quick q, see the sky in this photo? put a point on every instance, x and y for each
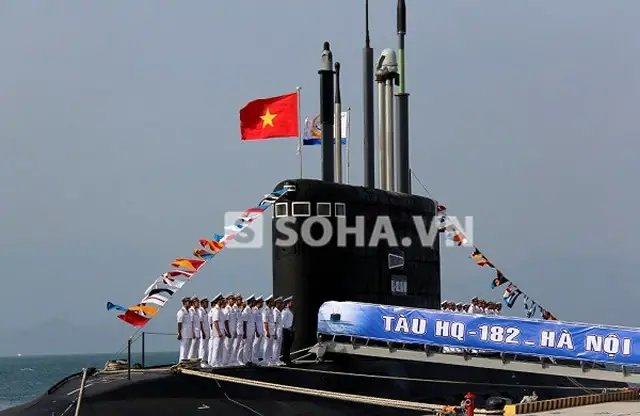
(120, 147)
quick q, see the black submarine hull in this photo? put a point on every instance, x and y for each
(314, 275)
(161, 391)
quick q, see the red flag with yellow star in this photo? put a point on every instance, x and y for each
(267, 118)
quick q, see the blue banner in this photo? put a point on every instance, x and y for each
(607, 344)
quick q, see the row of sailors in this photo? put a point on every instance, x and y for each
(477, 306)
(235, 331)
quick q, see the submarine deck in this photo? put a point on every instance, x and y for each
(164, 391)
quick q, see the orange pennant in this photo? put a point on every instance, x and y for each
(145, 309)
(191, 264)
(212, 245)
(203, 254)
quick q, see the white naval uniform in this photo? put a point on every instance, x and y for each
(231, 316)
(186, 319)
(217, 339)
(287, 318)
(238, 341)
(257, 342)
(203, 352)
(224, 313)
(267, 344)
(197, 334)
(247, 342)
(211, 331)
(448, 350)
(277, 343)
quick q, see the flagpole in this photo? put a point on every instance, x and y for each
(299, 131)
(348, 141)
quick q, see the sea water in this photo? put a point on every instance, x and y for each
(26, 377)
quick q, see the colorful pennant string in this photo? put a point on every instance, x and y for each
(512, 292)
(165, 286)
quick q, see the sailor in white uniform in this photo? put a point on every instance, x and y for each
(185, 328)
(277, 324)
(259, 331)
(214, 302)
(194, 310)
(269, 332)
(474, 308)
(459, 309)
(230, 329)
(248, 330)
(444, 307)
(217, 331)
(288, 329)
(498, 309)
(483, 307)
(203, 353)
(490, 309)
(237, 341)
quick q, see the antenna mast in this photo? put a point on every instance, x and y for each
(367, 105)
(404, 172)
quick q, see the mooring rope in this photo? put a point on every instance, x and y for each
(317, 393)
(578, 386)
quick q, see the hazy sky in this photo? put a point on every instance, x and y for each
(120, 144)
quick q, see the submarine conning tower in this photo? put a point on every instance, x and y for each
(345, 270)
(346, 267)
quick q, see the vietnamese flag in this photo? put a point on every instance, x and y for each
(266, 118)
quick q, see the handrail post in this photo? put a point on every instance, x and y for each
(142, 349)
(84, 378)
(129, 359)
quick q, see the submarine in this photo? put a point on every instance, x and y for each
(323, 381)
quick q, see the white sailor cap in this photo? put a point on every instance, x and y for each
(270, 297)
(259, 298)
(474, 298)
(228, 295)
(204, 299)
(217, 297)
(278, 299)
(288, 299)
(250, 297)
(444, 302)
(459, 304)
